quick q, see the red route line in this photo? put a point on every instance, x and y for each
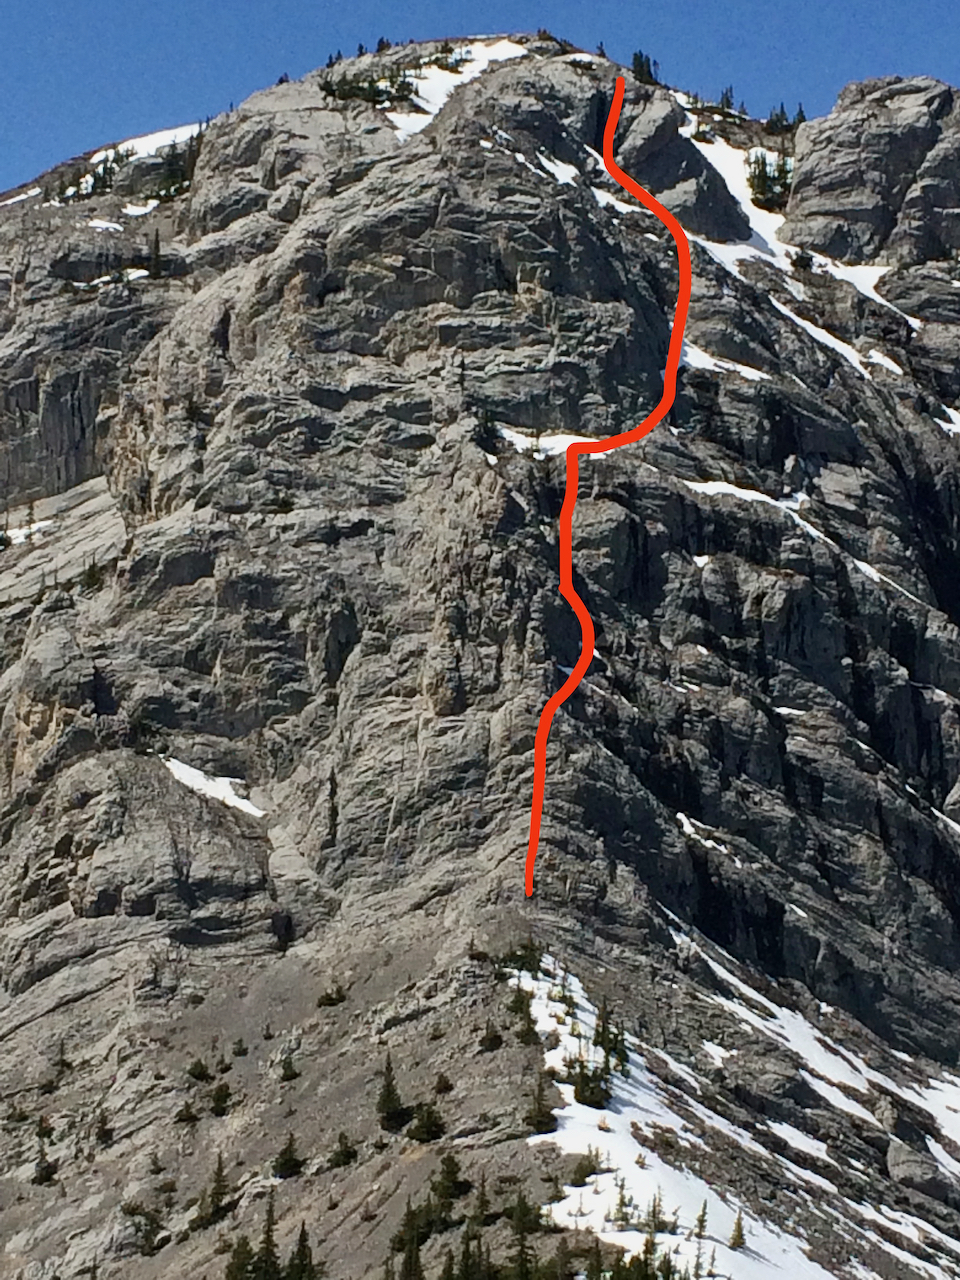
(603, 446)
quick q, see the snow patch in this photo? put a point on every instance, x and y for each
(950, 424)
(24, 195)
(545, 446)
(612, 202)
(435, 85)
(216, 788)
(149, 143)
(696, 358)
(138, 210)
(565, 174)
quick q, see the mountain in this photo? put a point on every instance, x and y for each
(285, 400)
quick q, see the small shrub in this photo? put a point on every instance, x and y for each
(738, 1239)
(443, 1084)
(92, 577)
(345, 1153)
(104, 1129)
(220, 1099)
(491, 1040)
(586, 1167)
(45, 1170)
(240, 1050)
(427, 1124)
(287, 1070)
(186, 1114)
(198, 1070)
(331, 997)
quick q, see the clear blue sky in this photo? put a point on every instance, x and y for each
(77, 75)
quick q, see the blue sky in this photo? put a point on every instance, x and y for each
(75, 76)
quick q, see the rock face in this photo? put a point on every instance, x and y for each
(878, 177)
(279, 613)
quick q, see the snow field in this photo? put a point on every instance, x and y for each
(615, 1201)
(624, 1189)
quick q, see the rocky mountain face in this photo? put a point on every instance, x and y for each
(282, 459)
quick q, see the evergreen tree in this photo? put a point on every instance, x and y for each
(240, 1265)
(427, 1125)
(155, 257)
(540, 1117)
(642, 69)
(726, 98)
(800, 117)
(344, 1154)
(393, 1114)
(449, 1271)
(219, 1189)
(301, 1265)
(411, 1268)
(481, 1208)
(701, 1228)
(266, 1264)
(524, 1220)
(594, 1269)
(601, 1034)
(287, 1164)
(737, 1237)
(360, 51)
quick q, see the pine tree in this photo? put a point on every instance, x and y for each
(393, 1114)
(642, 70)
(411, 1268)
(594, 1270)
(481, 1208)
(266, 1264)
(219, 1189)
(701, 1228)
(449, 1271)
(344, 1154)
(155, 257)
(726, 98)
(562, 1265)
(301, 1265)
(287, 1164)
(737, 1237)
(427, 1125)
(800, 117)
(240, 1266)
(523, 1219)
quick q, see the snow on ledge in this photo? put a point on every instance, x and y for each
(215, 788)
(24, 195)
(435, 85)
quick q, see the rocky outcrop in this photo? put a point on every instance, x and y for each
(876, 179)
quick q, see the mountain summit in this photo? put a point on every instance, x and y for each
(284, 400)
